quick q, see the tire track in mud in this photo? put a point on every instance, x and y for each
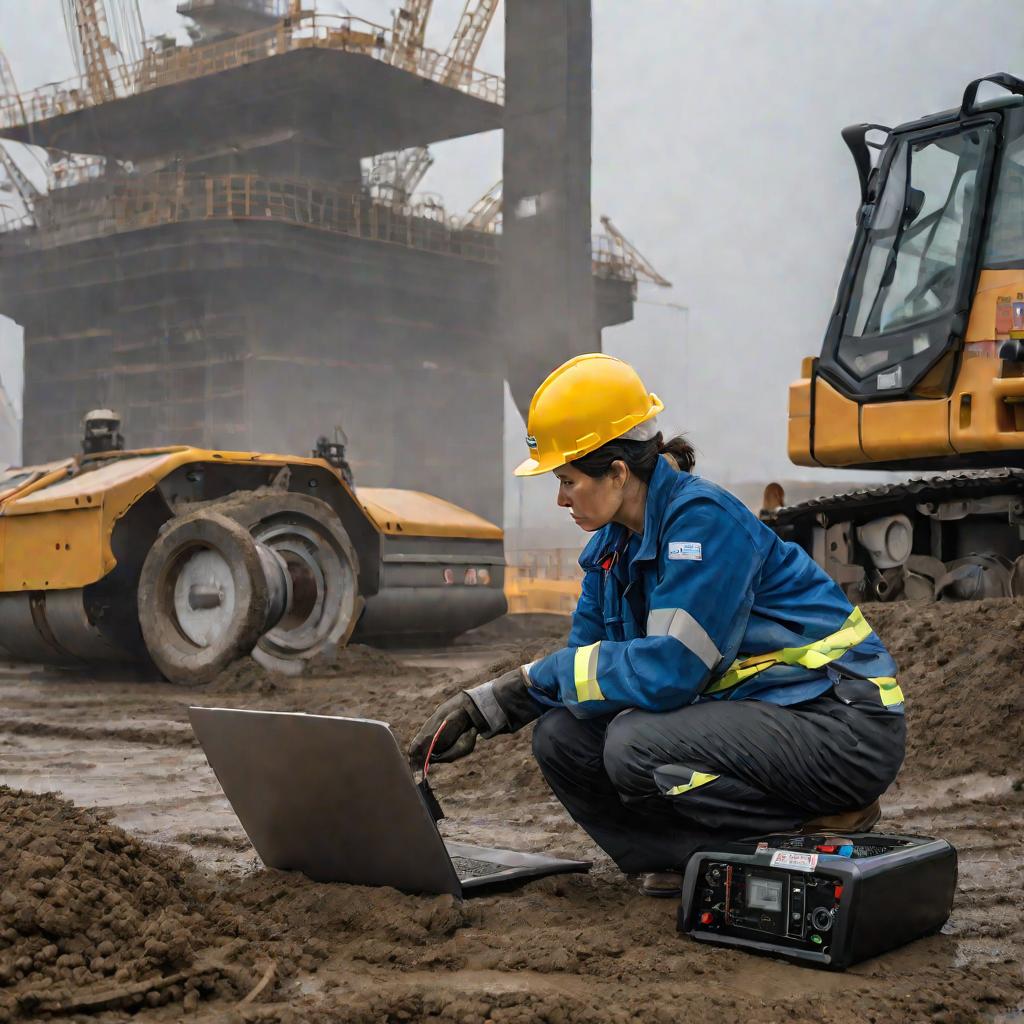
(153, 736)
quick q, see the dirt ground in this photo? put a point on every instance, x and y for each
(137, 892)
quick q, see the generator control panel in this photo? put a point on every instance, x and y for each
(822, 899)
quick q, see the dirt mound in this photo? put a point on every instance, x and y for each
(961, 670)
(245, 675)
(354, 660)
(91, 918)
(248, 676)
(530, 626)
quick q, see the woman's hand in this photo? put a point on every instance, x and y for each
(498, 706)
(462, 723)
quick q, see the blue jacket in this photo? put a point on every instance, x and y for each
(663, 616)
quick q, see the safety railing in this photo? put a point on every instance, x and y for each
(186, 63)
(610, 262)
(110, 206)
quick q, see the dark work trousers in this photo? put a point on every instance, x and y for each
(775, 767)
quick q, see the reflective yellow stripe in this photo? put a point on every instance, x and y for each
(813, 655)
(696, 779)
(888, 689)
(585, 671)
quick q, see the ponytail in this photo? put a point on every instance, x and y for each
(640, 456)
(679, 449)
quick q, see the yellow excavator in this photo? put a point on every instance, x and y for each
(922, 366)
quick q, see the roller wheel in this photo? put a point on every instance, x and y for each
(204, 598)
(324, 604)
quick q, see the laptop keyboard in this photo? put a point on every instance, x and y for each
(466, 867)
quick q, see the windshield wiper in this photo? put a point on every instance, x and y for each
(913, 201)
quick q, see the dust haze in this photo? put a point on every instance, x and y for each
(717, 152)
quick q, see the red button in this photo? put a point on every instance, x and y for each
(707, 917)
(824, 848)
(839, 892)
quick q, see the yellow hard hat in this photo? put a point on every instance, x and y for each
(585, 403)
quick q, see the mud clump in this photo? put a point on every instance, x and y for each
(961, 672)
(353, 660)
(90, 917)
(246, 675)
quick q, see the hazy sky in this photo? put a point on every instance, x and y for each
(717, 151)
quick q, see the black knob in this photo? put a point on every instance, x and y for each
(821, 919)
(1012, 351)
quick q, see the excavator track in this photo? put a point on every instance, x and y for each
(951, 536)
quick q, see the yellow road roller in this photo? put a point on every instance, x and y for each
(191, 558)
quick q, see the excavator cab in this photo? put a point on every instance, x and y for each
(922, 366)
(914, 372)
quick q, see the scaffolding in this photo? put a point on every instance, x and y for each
(313, 30)
(102, 206)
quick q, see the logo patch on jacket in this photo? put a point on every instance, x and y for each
(684, 550)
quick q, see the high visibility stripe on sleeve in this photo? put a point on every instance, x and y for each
(585, 672)
(889, 690)
(679, 623)
(696, 779)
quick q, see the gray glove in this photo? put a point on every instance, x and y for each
(462, 721)
(498, 706)
(505, 703)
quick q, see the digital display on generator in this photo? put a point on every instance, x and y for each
(764, 893)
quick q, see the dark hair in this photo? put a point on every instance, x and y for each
(640, 456)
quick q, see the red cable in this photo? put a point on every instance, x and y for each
(430, 749)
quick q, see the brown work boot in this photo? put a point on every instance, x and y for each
(863, 820)
(662, 884)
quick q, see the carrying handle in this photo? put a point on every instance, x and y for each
(1009, 82)
(855, 137)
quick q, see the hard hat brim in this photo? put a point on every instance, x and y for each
(535, 467)
(531, 467)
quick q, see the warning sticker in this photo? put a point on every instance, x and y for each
(794, 859)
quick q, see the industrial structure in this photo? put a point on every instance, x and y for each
(231, 251)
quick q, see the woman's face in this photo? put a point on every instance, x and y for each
(592, 502)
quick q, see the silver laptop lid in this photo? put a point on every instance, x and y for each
(330, 797)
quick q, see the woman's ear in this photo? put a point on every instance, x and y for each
(619, 472)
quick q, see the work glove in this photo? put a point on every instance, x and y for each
(462, 722)
(501, 705)
(505, 703)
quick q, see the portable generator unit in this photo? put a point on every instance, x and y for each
(824, 900)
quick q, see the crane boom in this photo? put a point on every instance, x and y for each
(484, 213)
(469, 37)
(402, 173)
(631, 256)
(18, 181)
(104, 45)
(25, 189)
(8, 86)
(407, 34)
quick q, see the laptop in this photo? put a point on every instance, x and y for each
(335, 799)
